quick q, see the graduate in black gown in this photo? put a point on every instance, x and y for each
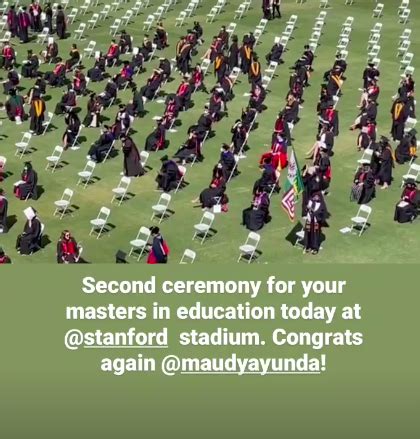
(27, 186)
(363, 189)
(156, 140)
(73, 125)
(168, 176)
(386, 163)
(132, 162)
(160, 250)
(407, 148)
(37, 115)
(29, 240)
(407, 208)
(258, 214)
(215, 193)
(67, 249)
(60, 23)
(315, 220)
(30, 65)
(4, 204)
(99, 149)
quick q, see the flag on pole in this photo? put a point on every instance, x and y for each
(293, 187)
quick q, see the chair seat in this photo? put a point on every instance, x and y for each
(408, 177)
(98, 222)
(359, 219)
(300, 234)
(159, 208)
(201, 227)
(138, 243)
(246, 248)
(61, 203)
(118, 190)
(363, 161)
(21, 145)
(53, 158)
(85, 174)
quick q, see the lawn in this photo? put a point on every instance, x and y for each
(385, 241)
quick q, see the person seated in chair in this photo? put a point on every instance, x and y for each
(11, 82)
(150, 90)
(74, 59)
(51, 51)
(72, 130)
(168, 176)
(68, 101)
(100, 148)
(30, 65)
(190, 149)
(156, 140)
(57, 77)
(67, 249)
(113, 54)
(109, 95)
(4, 204)
(125, 75)
(8, 56)
(276, 53)
(125, 44)
(96, 73)
(228, 161)
(257, 215)
(137, 61)
(29, 240)
(215, 193)
(183, 94)
(15, 107)
(27, 186)
(407, 208)
(79, 82)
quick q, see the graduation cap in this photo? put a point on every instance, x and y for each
(1, 252)
(30, 213)
(164, 158)
(120, 257)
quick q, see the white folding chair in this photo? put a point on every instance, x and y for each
(85, 6)
(377, 12)
(148, 23)
(140, 243)
(63, 204)
(247, 250)
(113, 29)
(42, 37)
(144, 157)
(80, 31)
(405, 15)
(179, 21)
(159, 12)
(324, 4)
(90, 49)
(211, 15)
(361, 219)
(54, 159)
(239, 13)
(22, 146)
(403, 48)
(366, 158)
(46, 124)
(182, 170)
(160, 209)
(234, 74)
(205, 64)
(405, 35)
(127, 17)
(188, 257)
(407, 59)
(99, 223)
(137, 8)
(86, 175)
(231, 28)
(412, 174)
(121, 190)
(71, 16)
(103, 15)
(203, 228)
(93, 21)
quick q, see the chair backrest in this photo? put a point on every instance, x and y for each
(125, 181)
(104, 211)
(3, 161)
(190, 254)
(143, 233)
(253, 239)
(164, 199)
(67, 194)
(58, 150)
(182, 170)
(26, 137)
(90, 166)
(144, 156)
(207, 218)
(364, 211)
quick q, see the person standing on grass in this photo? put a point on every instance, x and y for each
(276, 8)
(60, 23)
(160, 250)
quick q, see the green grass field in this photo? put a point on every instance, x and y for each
(385, 241)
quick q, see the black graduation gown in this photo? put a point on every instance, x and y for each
(30, 185)
(4, 204)
(61, 24)
(255, 218)
(367, 191)
(385, 169)
(168, 176)
(402, 152)
(30, 236)
(315, 220)
(209, 196)
(156, 140)
(132, 162)
(233, 59)
(312, 184)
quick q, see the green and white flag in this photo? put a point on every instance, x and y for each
(293, 187)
